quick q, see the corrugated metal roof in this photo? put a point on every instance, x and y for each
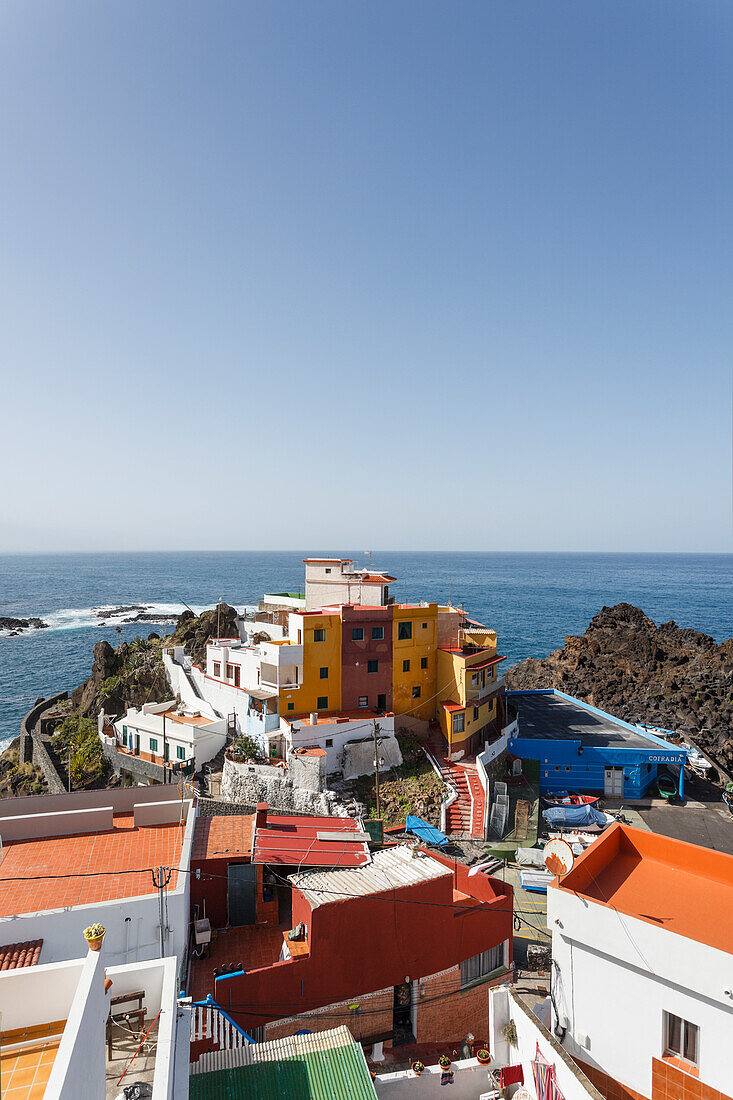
(293, 841)
(321, 1066)
(391, 868)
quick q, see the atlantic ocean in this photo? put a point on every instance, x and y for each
(531, 599)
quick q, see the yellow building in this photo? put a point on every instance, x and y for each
(320, 690)
(414, 659)
(468, 688)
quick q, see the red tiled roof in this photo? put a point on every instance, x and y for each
(59, 872)
(222, 836)
(453, 706)
(292, 841)
(15, 955)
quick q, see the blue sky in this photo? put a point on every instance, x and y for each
(411, 274)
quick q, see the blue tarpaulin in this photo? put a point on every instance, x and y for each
(576, 816)
(425, 831)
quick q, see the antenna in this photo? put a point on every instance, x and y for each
(559, 857)
(369, 555)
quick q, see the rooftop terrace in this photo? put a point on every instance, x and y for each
(57, 872)
(667, 883)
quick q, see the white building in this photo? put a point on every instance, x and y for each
(334, 581)
(348, 741)
(54, 1029)
(642, 944)
(72, 860)
(164, 733)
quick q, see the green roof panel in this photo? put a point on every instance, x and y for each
(317, 1075)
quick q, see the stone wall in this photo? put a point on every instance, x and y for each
(42, 760)
(135, 765)
(242, 783)
(31, 720)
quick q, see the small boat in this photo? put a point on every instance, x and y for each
(728, 796)
(567, 798)
(577, 818)
(666, 787)
(697, 761)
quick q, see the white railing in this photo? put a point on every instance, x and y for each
(211, 1023)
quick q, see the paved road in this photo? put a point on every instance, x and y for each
(709, 825)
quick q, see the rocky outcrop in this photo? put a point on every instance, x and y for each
(194, 632)
(664, 675)
(17, 626)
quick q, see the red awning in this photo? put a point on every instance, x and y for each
(484, 664)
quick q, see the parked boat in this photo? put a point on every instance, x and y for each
(697, 761)
(666, 787)
(587, 818)
(567, 798)
(728, 796)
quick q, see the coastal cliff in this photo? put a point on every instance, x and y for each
(663, 675)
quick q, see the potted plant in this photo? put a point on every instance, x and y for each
(510, 1033)
(94, 935)
(418, 1068)
(444, 1061)
(483, 1057)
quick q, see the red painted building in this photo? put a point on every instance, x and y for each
(366, 658)
(403, 948)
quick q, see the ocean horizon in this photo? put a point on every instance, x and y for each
(532, 598)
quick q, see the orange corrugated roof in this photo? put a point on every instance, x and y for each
(222, 836)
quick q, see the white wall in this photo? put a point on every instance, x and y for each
(307, 736)
(506, 1006)
(79, 1069)
(610, 966)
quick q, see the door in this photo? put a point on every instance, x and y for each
(402, 1015)
(242, 893)
(236, 676)
(613, 782)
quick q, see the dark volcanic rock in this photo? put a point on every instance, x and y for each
(194, 632)
(664, 675)
(17, 625)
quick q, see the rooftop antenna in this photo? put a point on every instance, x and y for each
(450, 592)
(369, 555)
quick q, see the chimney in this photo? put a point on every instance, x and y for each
(261, 816)
(314, 718)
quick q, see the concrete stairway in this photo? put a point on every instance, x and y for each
(465, 815)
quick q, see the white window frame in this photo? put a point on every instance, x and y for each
(481, 966)
(669, 1050)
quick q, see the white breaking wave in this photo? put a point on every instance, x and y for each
(75, 618)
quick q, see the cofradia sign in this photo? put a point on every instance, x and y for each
(663, 759)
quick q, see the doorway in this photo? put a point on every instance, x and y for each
(613, 782)
(242, 891)
(236, 675)
(402, 1015)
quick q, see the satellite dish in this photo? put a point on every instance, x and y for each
(559, 857)
(522, 1094)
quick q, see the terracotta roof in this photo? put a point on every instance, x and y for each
(222, 836)
(15, 955)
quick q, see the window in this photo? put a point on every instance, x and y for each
(319, 635)
(481, 965)
(475, 680)
(381, 702)
(180, 752)
(416, 691)
(217, 669)
(357, 634)
(568, 768)
(230, 671)
(322, 703)
(423, 662)
(425, 626)
(405, 666)
(328, 570)
(681, 1038)
(404, 631)
(458, 723)
(475, 714)
(291, 706)
(377, 633)
(153, 744)
(363, 700)
(329, 742)
(372, 666)
(324, 672)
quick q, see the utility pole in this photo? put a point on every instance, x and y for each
(376, 763)
(165, 770)
(160, 882)
(218, 616)
(68, 772)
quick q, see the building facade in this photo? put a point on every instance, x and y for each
(642, 949)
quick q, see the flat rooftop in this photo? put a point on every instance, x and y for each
(31, 870)
(546, 716)
(329, 718)
(221, 837)
(668, 883)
